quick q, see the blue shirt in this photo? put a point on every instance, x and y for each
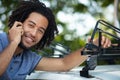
(20, 65)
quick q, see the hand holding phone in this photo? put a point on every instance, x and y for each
(16, 32)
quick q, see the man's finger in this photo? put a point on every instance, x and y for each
(17, 24)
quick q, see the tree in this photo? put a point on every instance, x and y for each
(93, 7)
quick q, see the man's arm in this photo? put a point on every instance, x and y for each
(14, 36)
(6, 56)
(68, 62)
(61, 64)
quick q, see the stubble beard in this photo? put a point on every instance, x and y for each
(21, 45)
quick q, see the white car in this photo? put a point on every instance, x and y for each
(105, 72)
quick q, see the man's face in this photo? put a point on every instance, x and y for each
(34, 28)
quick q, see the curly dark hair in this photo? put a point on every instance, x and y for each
(25, 9)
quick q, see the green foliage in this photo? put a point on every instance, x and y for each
(67, 6)
(6, 6)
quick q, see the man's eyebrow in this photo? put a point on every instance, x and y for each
(35, 24)
(32, 22)
(43, 28)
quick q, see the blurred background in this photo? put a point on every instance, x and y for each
(75, 19)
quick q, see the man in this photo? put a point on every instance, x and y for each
(32, 25)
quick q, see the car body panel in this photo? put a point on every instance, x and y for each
(101, 72)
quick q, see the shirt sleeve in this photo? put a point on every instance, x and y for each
(35, 60)
(3, 41)
(1, 47)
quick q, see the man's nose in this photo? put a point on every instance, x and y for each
(34, 32)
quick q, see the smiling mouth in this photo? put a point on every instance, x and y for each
(29, 39)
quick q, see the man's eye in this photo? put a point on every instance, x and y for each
(41, 31)
(31, 25)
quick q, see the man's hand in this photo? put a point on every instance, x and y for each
(105, 42)
(16, 32)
